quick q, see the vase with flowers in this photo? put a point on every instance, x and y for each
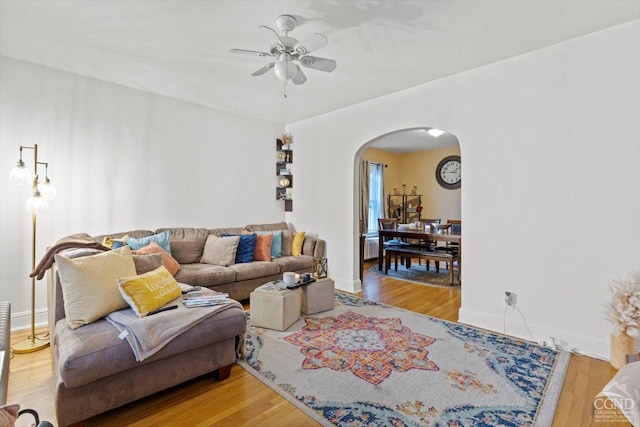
(287, 140)
(623, 310)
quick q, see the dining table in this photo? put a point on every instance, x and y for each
(420, 234)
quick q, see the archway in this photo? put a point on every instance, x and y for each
(410, 158)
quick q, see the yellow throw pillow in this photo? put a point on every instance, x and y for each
(149, 291)
(296, 244)
(90, 286)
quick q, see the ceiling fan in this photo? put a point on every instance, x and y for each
(286, 50)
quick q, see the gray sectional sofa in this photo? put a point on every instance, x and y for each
(95, 371)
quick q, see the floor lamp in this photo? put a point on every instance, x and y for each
(36, 205)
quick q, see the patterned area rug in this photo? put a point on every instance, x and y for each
(365, 363)
(419, 274)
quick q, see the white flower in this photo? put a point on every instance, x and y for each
(623, 310)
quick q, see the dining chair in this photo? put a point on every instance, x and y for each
(455, 229)
(390, 224)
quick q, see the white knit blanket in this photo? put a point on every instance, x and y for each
(148, 335)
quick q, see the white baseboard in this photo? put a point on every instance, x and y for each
(346, 285)
(517, 327)
(22, 320)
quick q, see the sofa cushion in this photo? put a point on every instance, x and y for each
(205, 275)
(309, 245)
(89, 284)
(149, 291)
(268, 227)
(162, 239)
(146, 263)
(296, 244)
(186, 243)
(254, 270)
(233, 231)
(287, 240)
(294, 263)
(220, 250)
(95, 351)
(167, 260)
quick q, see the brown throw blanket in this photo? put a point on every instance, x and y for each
(74, 241)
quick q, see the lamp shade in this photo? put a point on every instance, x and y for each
(36, 204)
(284, 68)
(47, 190)
(20, 175)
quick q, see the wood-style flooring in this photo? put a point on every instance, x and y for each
(242, 400)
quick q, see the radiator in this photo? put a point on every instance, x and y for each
(371, 247)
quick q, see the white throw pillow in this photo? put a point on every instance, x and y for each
(90, 284)
(220, 250)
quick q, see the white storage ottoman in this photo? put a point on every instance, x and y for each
(318, 296)
(272, 308)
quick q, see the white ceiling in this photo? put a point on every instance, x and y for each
(181, 48)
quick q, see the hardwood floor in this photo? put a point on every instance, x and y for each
(242, 400)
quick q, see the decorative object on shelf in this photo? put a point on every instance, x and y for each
(414, 190)
(395, 191)
(449, 172)
(404, 188)
(282, 157)
(285, 50)
(287, 140)
(623, 310)
(284, 182)
(36, 205)
(319, 269)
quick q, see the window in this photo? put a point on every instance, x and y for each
(376, 196)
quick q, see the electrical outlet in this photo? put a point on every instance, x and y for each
(509, 298)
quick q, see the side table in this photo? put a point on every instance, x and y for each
(318, 296)
(274, 308)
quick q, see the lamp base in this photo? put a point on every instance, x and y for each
(28, 346)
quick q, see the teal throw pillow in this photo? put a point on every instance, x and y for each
(161, 239)
(246, 247)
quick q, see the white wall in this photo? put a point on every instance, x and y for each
(121, 159)
(551, 181)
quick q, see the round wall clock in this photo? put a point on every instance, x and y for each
(449, 172)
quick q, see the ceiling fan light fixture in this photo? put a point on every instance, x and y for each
(435, 132)
(284, 68)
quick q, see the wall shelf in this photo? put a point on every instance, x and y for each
(283, 171)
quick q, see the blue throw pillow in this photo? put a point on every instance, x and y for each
(162, 239)
(247, 245)
(276, 242)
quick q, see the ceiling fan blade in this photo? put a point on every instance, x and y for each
(264, 69)
(280, 43)
(317, 63)
(299, 77)
(311, 43)
(249, 52)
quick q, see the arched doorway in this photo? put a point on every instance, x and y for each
(408, 159)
